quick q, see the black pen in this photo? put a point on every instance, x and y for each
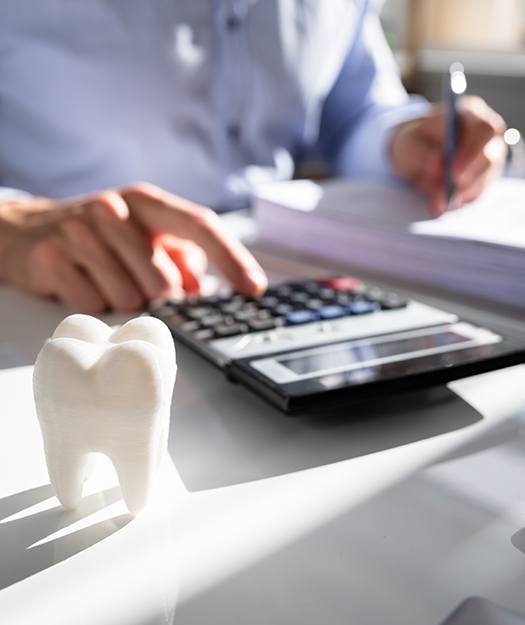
(454, 85)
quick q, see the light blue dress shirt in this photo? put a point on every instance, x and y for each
(204, 98)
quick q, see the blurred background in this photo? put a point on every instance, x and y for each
(487, 36)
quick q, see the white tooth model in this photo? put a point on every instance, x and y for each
(99, 390)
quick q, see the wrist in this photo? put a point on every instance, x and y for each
(15, 227)
(8, 237)
(397, 148)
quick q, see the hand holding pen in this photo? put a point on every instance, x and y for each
(453, 153)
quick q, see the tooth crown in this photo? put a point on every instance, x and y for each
(99, 390)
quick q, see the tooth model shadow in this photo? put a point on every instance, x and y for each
(99, 390)
(20, 560)
(518, 540)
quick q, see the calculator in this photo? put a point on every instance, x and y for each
(307, 345)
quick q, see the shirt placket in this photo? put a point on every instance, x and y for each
(230, 77)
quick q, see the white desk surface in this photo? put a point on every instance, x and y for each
(263, 518)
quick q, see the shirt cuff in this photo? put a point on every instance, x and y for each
(366, 153)
(7, 193)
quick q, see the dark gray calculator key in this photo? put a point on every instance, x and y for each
(258, 325)
(175, 319)
(213, 300)
(245, 314)
(164, 311)
(223, 330)
(204, 335)
(312, 287)
(298, 297)
(326, 294)
(268, 301)
(343, 299)
(190, 326)
(284, 290)
(211, 321)
(198, 312)
(282, 309)
(234, 300)
(230, 307)
(314, 304)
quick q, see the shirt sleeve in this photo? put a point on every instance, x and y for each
(364, 106)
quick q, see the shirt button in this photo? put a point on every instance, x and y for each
(233, 21)
(234, 132)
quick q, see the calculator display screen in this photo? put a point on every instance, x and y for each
(347, 354)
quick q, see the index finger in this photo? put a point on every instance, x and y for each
(160, 212)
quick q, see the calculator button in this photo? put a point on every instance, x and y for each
(289, 304)
(344, 283)
(298, 297)
(203, 335)
(268, 301)
(393, 302)
(283, 290)
(343, 299)
(164, 311)
(361, 307)
(326, 294)
(332, 312)
(190, 326)
(175, 319)
(246, 314)
(375, 294)
(231, 306)
(198, 312)
(297, 317)
(223, 329)
(311, 286)
(314, 304)
(264, 314)
(258, 325)
(211, 321)
(213, 300)
(282, 309)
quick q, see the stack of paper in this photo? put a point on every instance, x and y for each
(478, 249)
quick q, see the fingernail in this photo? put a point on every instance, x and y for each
(256, 280)
(112, 209)
(455, 203)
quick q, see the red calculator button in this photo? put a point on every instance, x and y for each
(344, 283)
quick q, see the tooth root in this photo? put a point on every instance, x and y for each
(67, 472)
(136, 474)
(90, 466)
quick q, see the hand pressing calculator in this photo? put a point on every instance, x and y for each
(306, 345)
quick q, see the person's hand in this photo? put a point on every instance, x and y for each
(416, 151)
(118, 249)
